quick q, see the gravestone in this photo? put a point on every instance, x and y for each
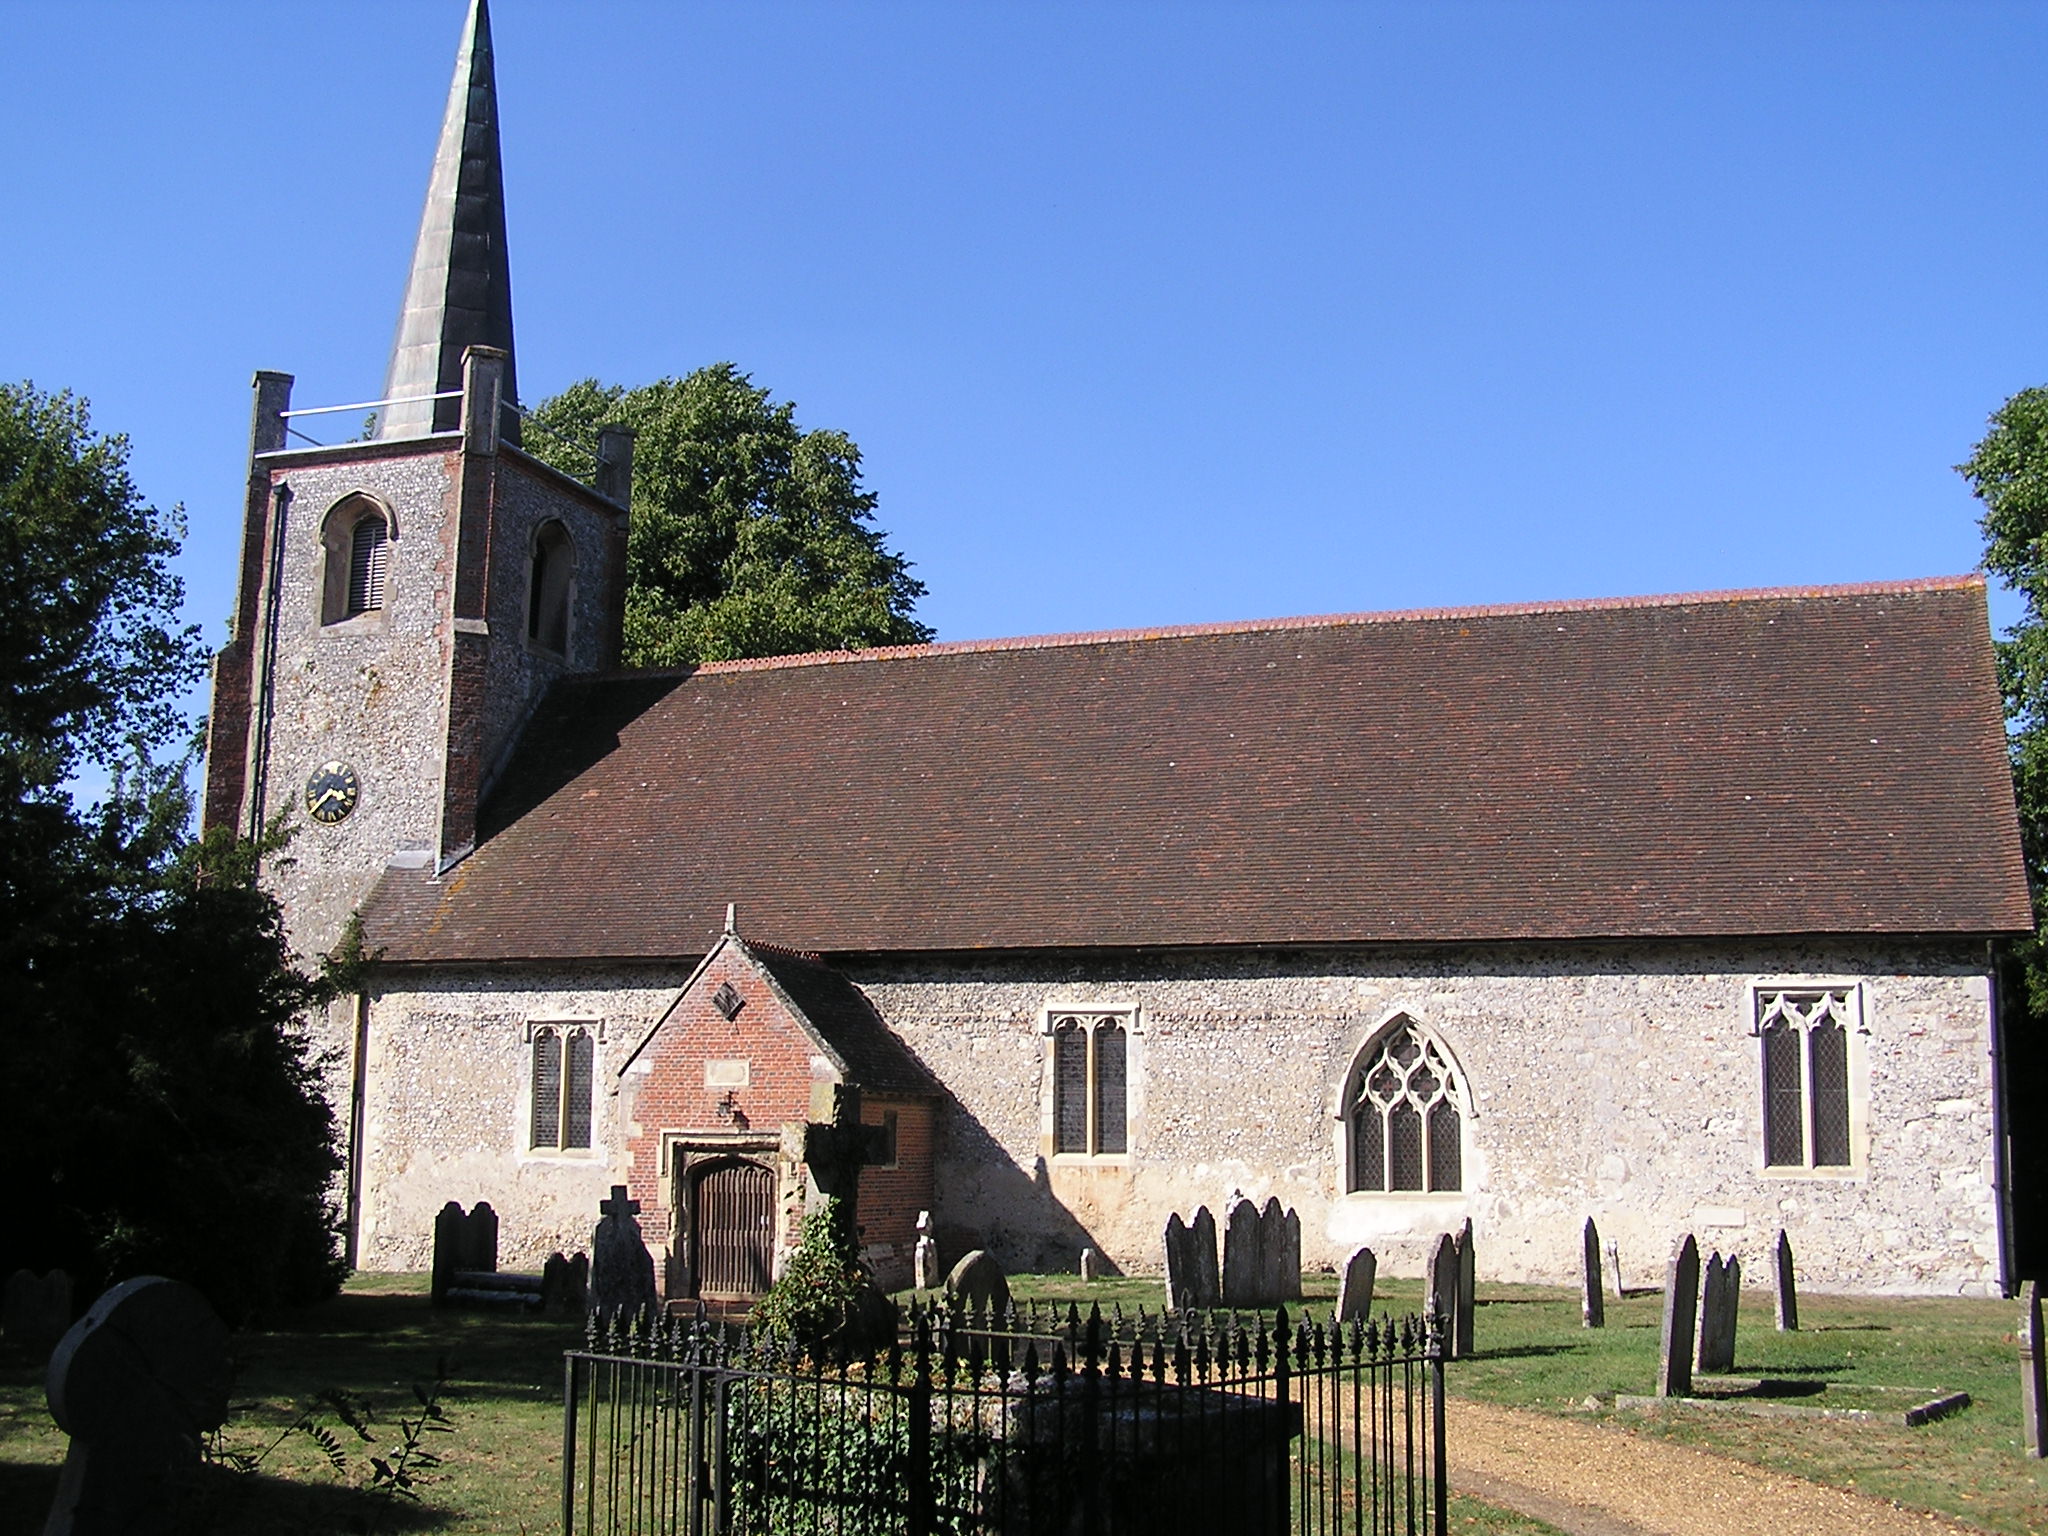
(463, 1243)
(35, 1311)
(1788, 1287)
(621, 1268)
(1243, 1258)
(1180, 1259)
(565, 1284)
(136, 1383)
(977, 1284)
(1681, 1308)
(1089, 1265)
(924, 1256)
(1443, 1290)
(1207, 1273)
(1290, 1239)
(1462, 1320)
(1592, 1299)
(1614, 1266)
(2033, 1373)
(1720, 1296)
(1354, 1290)
(1279, 1254)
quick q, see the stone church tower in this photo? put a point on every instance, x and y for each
(405, 600)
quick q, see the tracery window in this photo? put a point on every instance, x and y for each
(1090, 1083)
(1405, 1114)
(1806, 1034)
(564, 1075)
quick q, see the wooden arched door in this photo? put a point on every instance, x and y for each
(732, 1228)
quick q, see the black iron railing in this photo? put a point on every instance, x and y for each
(1034, 1420)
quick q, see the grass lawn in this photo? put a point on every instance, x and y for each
(501, 1463)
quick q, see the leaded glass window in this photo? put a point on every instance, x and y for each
(1090, 1083)
(1806, 1034)
(1406, 1117)
(564, 1087)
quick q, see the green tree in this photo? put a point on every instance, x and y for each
(159, 1110)
(750, 536)
(2008, 472)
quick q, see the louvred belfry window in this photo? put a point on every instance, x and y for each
(368, 562)
(1806, 1035)
(1090, 1093)
(564, 1080)
(1406, 1117)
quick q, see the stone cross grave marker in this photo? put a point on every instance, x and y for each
(1788, 1287)
(924, 1256)
(977, 1284)
(2033, 1373)
(1243, 1258)
(1681, 1309)
(1443, 1289)
(1592, 1299)
(35, 1311)
(136, 1383)
(833, 1147)
(1462, 1321)
(621, 1268)
(1354, 1290)
(1720, 1296)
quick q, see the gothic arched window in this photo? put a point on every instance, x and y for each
(1404, 1116)
(356, 540)
(547, 601)
(564, 1063)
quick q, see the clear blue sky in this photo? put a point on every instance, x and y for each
(1142, 313)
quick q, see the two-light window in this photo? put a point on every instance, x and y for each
(1090, 1083)
(1405, 1117)
(1807, 1036)
(564, 1077)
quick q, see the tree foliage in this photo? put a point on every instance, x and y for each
(750, 536)
(2008, 471)
(158, 1108)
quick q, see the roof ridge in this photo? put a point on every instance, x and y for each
(1326, 621)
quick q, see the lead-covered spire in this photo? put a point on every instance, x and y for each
(459, 293)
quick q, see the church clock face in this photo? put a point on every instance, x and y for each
(332, 792)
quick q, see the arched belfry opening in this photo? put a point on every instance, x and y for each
(1404, 1109)
(356, 540)
(550, 588)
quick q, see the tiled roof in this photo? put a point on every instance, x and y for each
(1801, 761)
(841, 1016)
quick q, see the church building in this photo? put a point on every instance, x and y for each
(1682, 913)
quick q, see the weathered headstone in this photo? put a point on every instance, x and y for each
(1354, 1290)
(1681, 1310)
(621, 1268)
(136, 1383)
(1089, 1265)
(1720, 1296)
(1788, 1287)
(1180, 1256)
(1463, 1319)
(1614, 1268)
(1206, 1271)
(1243, 1255)
(463, 1244)
(2033, 1372)
(1592, 1299)
(565, 1283)
(977, 1283)
(1443, 1290)
(35, 1311)
(1290, 1241)
(924, 1256)
(1279, 1254)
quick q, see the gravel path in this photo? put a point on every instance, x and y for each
(1603, 1480)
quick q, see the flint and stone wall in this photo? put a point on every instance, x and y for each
(1617, 1082)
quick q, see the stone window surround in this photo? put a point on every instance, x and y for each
(1132, 1017)
(1858, 1167)
(337, 541)
(1340, 1110)
(522, 1132)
